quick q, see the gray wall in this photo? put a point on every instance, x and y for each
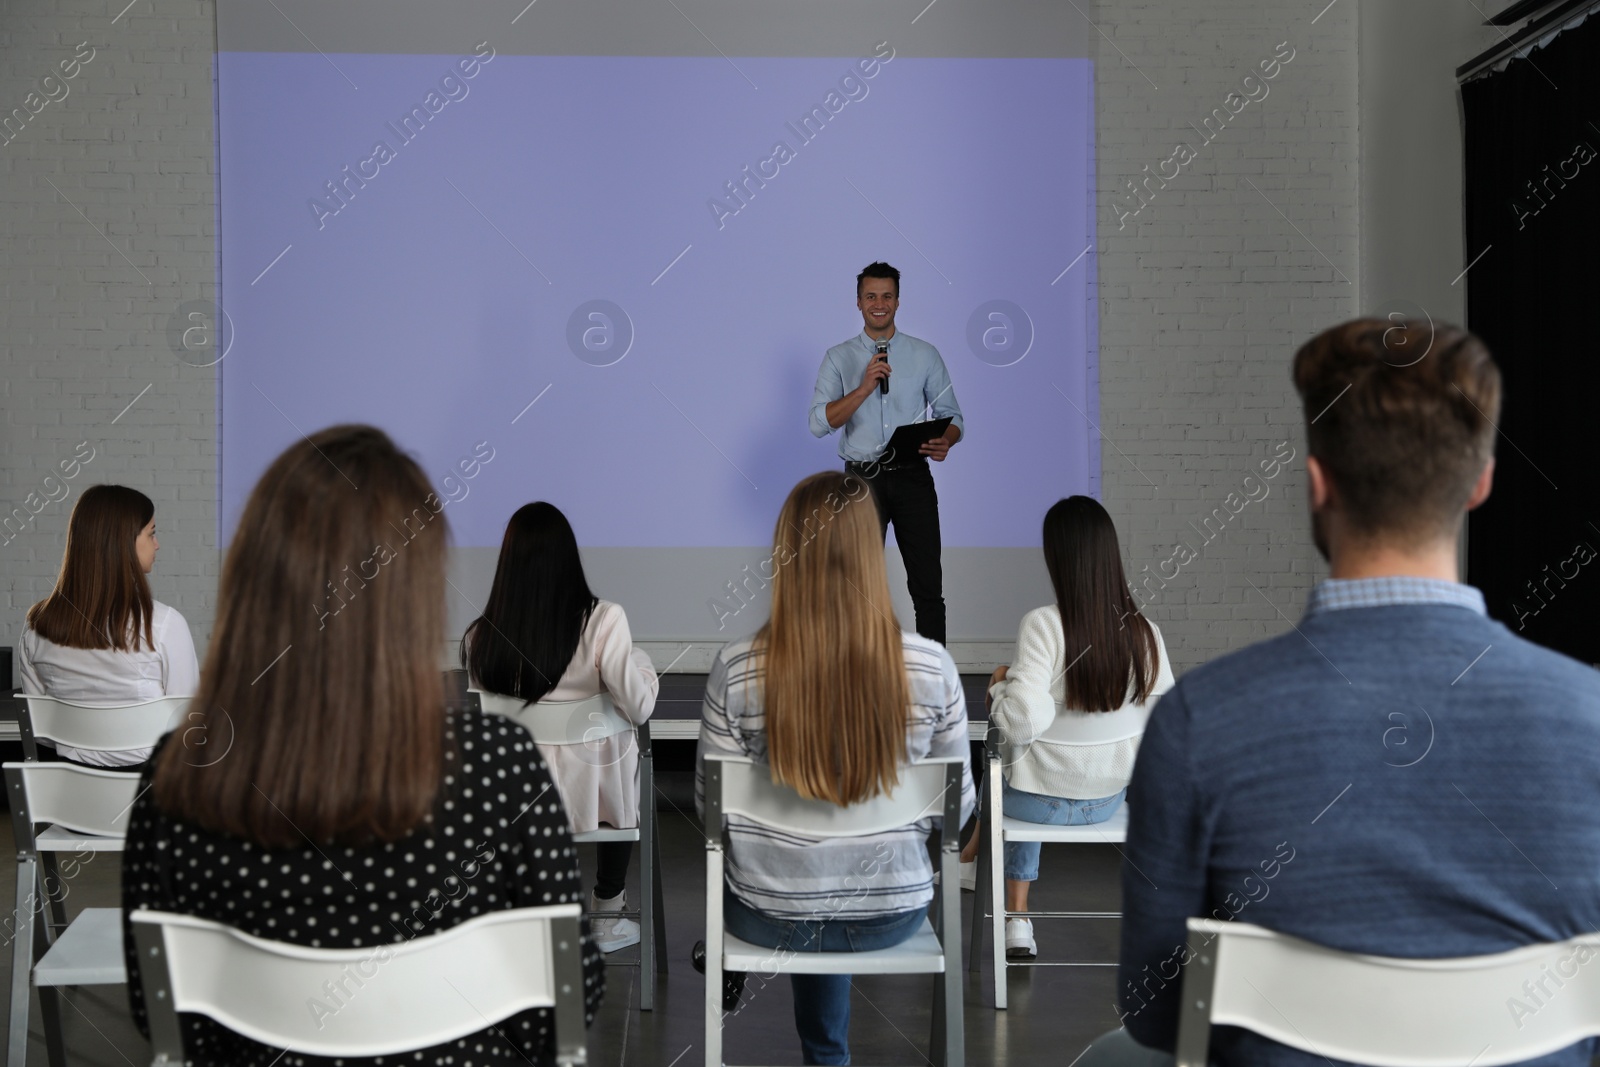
(1411, 182)
(1339, 189)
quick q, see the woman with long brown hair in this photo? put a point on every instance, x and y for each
(99, 637)
(327, 805)
(836, 698)
(1090, 654)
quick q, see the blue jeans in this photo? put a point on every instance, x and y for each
(1022, 857)
(821, 1001)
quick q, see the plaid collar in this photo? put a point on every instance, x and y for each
(1336, 594)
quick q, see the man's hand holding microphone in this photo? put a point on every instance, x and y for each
(878, 370)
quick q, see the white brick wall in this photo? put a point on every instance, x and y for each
(1204, 295)
(1208, 290)
(84, 317)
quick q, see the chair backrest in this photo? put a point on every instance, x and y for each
(737, 785)
(86, 799)
(1073, 727)
(561, 722)
(100, 728)
(377, 1001)
(1483, 1010)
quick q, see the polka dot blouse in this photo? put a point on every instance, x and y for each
(498, 840)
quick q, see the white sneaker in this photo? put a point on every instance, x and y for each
(969, 876)
(1019, 940)
(610, 931)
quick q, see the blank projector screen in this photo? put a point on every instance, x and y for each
(594, 253)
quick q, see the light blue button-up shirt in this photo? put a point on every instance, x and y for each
(919, 383)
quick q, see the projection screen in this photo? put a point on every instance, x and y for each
(593, 253)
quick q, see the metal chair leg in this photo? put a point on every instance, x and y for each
(951, 1043)
(648, 876)
(980, 896)
(50, 1019)
(23, 954)
(52, 894)
(660, 896)
(714, 942)
(994, 875)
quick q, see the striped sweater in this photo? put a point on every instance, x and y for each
(794, 876)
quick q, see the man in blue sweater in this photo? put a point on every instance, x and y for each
(1398, 775)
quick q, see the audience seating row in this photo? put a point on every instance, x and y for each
(1308, 997)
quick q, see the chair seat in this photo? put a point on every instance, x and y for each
(1113, 831)
(919, 954)
(606, 833)
(88, 952)
(998, 832)
(61, 839)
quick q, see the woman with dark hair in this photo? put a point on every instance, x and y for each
(836, 698)
(99, 637)
(334, 802)
(1087, 655)
(544, 636)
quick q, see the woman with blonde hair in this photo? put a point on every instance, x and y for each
(335, 803)
(836, 698)
(99, 637)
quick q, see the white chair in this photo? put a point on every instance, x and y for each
(1070, 729)
(1384, 1011)
(378, 1001)
(579, 722)
(61, 807)
(738, 786)
(96, 728)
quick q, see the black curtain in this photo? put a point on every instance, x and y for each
(1533, 213)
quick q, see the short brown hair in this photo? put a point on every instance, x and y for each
(879, 269)
(1402, 417)
(323, 675)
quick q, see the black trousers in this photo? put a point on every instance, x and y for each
(612, 860)
(906, 496)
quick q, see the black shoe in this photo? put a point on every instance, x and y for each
(732, 981)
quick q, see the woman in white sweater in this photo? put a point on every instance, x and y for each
(544, 636)
(1072, 707)
(99, 637)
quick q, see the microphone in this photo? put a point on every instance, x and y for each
(883, 352)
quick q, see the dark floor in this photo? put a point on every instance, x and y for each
(1055, 1012)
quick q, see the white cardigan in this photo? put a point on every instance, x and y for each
(599, 780)
(1027, 703)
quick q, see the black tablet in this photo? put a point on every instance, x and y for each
(907, 439)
